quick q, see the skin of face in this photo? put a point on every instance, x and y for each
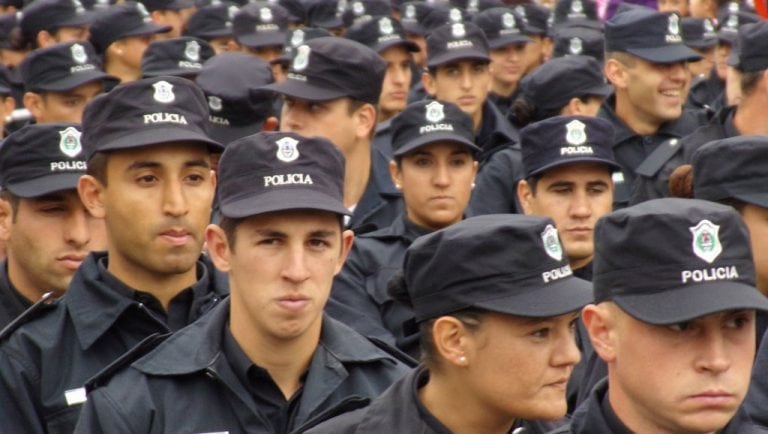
(436, 181)
(574, 196)
(704, 66)
(679, 7)
(464, 83)
(397, 81)
(47, 238)
(508, 64)
(176, 19)
(281, 269)
(67, 106)
(722, 51)
(329, 119)
(688, 377)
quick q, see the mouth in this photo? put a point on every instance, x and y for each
(176, 237)
(293, 302)
(559, 384)
(466, 100)
(72, 261)
(672, 93)
(579, 230)
(714, 399)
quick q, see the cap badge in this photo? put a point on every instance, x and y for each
(520, 9)
(341, 6)
(733, 7)
(674, 24)
(232, 11)
(577, 7)
(708, 27)
(358, 8)
(192, 51)
(265, 14)
(455, 15)
(575, 134)
(385, 26)
(435, 112)
(70, 142)
(575, 46)
(78, 6)
(78, 53)
(458, 31)
(410, 11)
(142, 11)
(508, 20)
(706, 244)
(287, 149)
(164, 92)
(473, 5)
(214, 102)
(732, 23)
(297, 38)
(552, 243)
(301, 61)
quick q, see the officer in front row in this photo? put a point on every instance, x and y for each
(674, 319)
(149, 178)
(268, 360)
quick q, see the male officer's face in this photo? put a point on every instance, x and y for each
(574, 196)
(508, 63)
(464, 83)
(157, 203)
(177, 19)
(654, 92)
(67, 106)
(436, 181)
(329, 119)
(679, 7)
(47, 238)
(281, 269)
(689, 377)
(71, 34)
(543, 353)
(397, 81)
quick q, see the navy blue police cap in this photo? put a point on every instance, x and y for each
(412, 16)
(8, 22)
(325, 14)
(231, 82)
(146, 112)
(671, 260)
(213, 21)
(524, 270)
(552, 85)
(457, 41)
(361, 11)
(297, 13)
(121, 21)
(183, 57)
(732, 168)
(276, 171)
(294, 38)
(260, 25)
(699, 32)
(431, 121)
(750, 53)
(730, 24)
(62, 67)
(439, 14)
(502, 26)
(51, 15)
(579, 41)
(380, 34)
(329, 68)
(579, 13)
(649, 35)
(39, 159)
(535, 18)
(167, 5)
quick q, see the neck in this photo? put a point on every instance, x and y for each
(465, 416)
(163, 286)
(749, 118)
(285, 359)
(635, 418)
(21, 283)
(123, 72)
(356, 173)
(385, 115)
(577, 263)
(637, 122)
(502, 88)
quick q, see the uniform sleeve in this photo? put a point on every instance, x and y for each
(755, 406)
(101, 414)
(496, 184)
(351, 304)
(19, 390)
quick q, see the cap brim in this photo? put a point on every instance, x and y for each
(408, 45)
(188, 73)
(45, 185)
(227, 135)
(553, 299)
(599, 90)
(573, 160)
(453, 55)
(413, 28)
(665, 54)
(146, 29)
(691, 301)
(264, 40)
(156, 136)
(179, 4)
(503, 41)
(75, 80)
(212, 34)
(435, 137)
(77, 20)
(757, 198)
(704, 43)
(729, 37)
(303, 90)
(282, 200)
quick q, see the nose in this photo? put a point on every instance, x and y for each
(566, 352)
(295, 268)
(581, 207)
(174, 200)
(78, 231)
(713, 356)
(442, 177)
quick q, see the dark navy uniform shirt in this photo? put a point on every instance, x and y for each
(12, 303)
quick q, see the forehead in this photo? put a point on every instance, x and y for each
(293, 222)
(578, 172)
(443, 147)
(462, 64)
(166, 153)
(395, 53)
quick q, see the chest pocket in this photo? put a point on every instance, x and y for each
(64, 420)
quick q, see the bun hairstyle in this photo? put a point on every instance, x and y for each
(680, 182)
(525, 111)
(398, 289)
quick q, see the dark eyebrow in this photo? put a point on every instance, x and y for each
(270, 233)
(143, 164)
(561, 183)
(322, 234)
(51, 197)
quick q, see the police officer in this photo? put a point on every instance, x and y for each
(60, 80)
(259, 29)
(518, 309)
(182, 57)
(674, 319)
(172, 13)
(332, 91)
(699, 35)
(149, 178)
(45, 227)
(48, 22)
(565, 86)
(213, 23)
(267, 360)
(646, 64)
(434, 167)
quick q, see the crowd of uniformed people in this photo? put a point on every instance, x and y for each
(383, 216)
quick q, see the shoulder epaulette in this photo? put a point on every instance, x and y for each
(44, 304)
(145, 346)
(393, 351)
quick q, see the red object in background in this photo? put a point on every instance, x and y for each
(761, 6)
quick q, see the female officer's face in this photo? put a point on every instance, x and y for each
(518, 367)
(436, 181)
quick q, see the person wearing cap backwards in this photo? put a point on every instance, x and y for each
(332, 90)
(149, 178)
(458, 59)
(182, 57)
(170, 13)
(434, 167)
(48, 22)
(673, 319)
(268, 359)
(121, 34)
(646, 63)
(572, 85)
(497, 340)
(60, 80)
(45, 227)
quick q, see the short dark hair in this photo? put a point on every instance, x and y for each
(749, 81)
(97, 167)
(471, 318)
(13, 200)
